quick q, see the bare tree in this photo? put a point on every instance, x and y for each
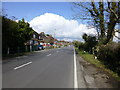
(101, 15)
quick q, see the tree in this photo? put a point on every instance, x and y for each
(14, 34)
(76, 43)
(101, 15)
(85, 37)
(90, 42)
(9, 31)
(24, 32)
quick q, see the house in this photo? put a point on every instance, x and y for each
(39, 40)
(32, 44)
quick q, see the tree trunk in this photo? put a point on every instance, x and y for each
(101, 17)
(111, 24)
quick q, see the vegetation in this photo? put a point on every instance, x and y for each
(104, 16)
(109, 55)
(24, 32)
(90, 43)
(90, 58)
(14, 34)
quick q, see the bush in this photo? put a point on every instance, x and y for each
(76, 43)
(90, 42)
(109, 55)
(81, 46)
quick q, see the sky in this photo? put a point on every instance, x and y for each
(54, 18)
(29, 10)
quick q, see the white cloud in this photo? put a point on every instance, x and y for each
(116, 39)
(63, 28)
(17, 21)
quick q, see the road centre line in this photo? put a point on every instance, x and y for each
(49, 54)
(22, 65)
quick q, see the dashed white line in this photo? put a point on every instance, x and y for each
(49, 54)
(75, 71)
(22, 65)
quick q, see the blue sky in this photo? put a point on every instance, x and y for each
(29, 10)
(49, 17)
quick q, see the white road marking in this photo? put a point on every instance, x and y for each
(75, 71)
(57, 51)
(49, 54)
(40, 51)
(22, 65)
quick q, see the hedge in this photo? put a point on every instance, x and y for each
(109, 55)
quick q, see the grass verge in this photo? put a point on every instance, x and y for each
(90, 58)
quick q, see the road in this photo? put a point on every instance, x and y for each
(42, 69)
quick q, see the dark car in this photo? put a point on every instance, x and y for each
(40, 47)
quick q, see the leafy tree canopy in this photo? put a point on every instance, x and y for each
(14, 34)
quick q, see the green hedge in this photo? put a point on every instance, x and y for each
(109, 55)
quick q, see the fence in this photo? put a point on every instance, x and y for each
(15, 50)
(27, 48)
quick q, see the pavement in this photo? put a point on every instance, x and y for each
(55, 68)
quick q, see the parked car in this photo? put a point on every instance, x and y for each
(40, 47)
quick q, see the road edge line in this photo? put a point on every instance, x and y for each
(75, 71)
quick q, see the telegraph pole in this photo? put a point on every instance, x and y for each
(54, 38)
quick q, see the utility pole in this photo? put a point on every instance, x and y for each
(54, 35)
(54, 38)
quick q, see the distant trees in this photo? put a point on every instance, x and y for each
(103, 16)
(76, 43)
(90, 42)
(14, 34)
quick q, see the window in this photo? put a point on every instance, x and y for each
(33, 35)
(31, 42)
(39, 37)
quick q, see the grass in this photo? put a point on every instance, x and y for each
(90, 58)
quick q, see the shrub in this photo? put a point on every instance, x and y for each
(109, 55)
(81, 46)
(90, 42)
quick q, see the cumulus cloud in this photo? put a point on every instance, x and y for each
(63, 28)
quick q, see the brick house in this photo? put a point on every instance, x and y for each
(39, 39)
